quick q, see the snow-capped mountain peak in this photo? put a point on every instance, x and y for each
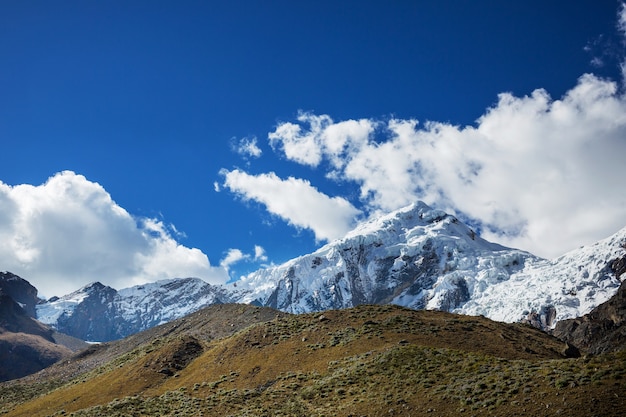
(100, 313)
(418, 257)
(549, 291)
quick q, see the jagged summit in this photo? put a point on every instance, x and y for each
(97, 312)
(417, 256)
(93, 286)
(414, 217)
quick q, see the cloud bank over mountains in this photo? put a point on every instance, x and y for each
(534, 172)
(68, 231)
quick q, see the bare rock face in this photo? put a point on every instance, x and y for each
(93, 318)
(542, 319)
(20, 290)
(602, 330)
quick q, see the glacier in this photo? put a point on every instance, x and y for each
(417, 257)
(424, 258)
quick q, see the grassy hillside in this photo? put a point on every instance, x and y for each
(366, 361)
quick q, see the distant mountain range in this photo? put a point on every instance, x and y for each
(417, 257)
(187, 348)
(98, 312)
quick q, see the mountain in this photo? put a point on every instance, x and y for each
(20, 290)
(602, 330)
(423, 258)
(417, 257)
(370, 360)
(100, 313)
(546, 292)
(26, 345)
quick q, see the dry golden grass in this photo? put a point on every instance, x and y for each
(366, 361)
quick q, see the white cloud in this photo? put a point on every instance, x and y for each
(323, 138)
(247, 147)
(68, 232)
(296, 201)
(233, 256)
(541, 174)
(259, 254)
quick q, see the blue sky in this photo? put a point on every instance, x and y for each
(148, 139)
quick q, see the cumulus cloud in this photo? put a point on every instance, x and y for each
(542, 174)
(296, 201)
(318, 136)
(67, 232)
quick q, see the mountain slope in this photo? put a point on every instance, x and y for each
(546, 292)
(26, 346)
(100, 313)
(416, 257)
(365, 361)
(602, 330)
(208, 324)
(20, 290)
(424, 258)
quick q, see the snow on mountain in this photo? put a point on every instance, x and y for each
(100, 313)
(567, 287)
(50, 311)
(424, 258)
(162, 301)
(416, 257)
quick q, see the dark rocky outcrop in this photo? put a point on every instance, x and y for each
(94, 317)
(543, 319)
(602, 330)
(20, 290)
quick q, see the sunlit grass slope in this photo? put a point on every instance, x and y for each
(365, 361)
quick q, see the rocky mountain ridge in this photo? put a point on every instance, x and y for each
(420, 258)
(602, 330)
(100, 313)
(416, 257)
(20, 291)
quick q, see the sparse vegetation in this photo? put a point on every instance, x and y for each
(366, 361)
